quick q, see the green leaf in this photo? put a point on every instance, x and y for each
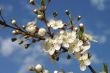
(13, 39)
(106, 68)
(33, 40)
(55, 14)
(20, 42)
(43, 2)
(3, 23)
(26, 46)
(80, 34)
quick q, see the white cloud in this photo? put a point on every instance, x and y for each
(101, 38)
(99, 4)
(7, 47)
(95, 59)
(32, 56)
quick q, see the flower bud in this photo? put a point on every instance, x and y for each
(43, 8)
(76, 28)
(81, 25)
(26, 45)
(23, 27)
(55, 14)
(35, 11)
(26, 36)
(79, 18)
(31, 68)
(16, 32)
(13, 22)
(40, 16)
(56, 71)
(42, 32)
(32, 2)
(67, 12)
(20, 42)
(46, 71)
(39, 68)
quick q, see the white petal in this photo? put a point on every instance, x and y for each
(66, 45)
(45, 71)
(51, 51)
(87, 62)
(82, 67)
(85, 47)
(84, 56)
(57, 47)
(71, 50)
(77, 56)
(55, 71)
(76, 49)
(79, 43)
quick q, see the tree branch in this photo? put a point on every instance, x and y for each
(91, 69)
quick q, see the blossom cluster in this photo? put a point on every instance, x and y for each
(58, 37)
(40, 69)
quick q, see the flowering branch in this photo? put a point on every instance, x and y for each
(57, 37)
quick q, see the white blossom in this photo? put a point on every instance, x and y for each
(42, 31)
(67, 37)
(51, 45)
(31, 27)
(55, 24)
(86, 46)
(75, 46)
(84, 56)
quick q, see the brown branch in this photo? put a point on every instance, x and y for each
(91, 69)
(22, 31)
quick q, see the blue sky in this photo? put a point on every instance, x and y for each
(95, 13)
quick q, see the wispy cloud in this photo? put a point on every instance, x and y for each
(7, 47)
(32, 56)
(99, 4)
(102, 39)
(95, 59)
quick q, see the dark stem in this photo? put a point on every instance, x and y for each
(45, 21)
(91, 69)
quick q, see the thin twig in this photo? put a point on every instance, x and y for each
(92, 69)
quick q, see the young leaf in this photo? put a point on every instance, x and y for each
(105, 68)
(55, 14)
(43, 2)
(13, 39)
